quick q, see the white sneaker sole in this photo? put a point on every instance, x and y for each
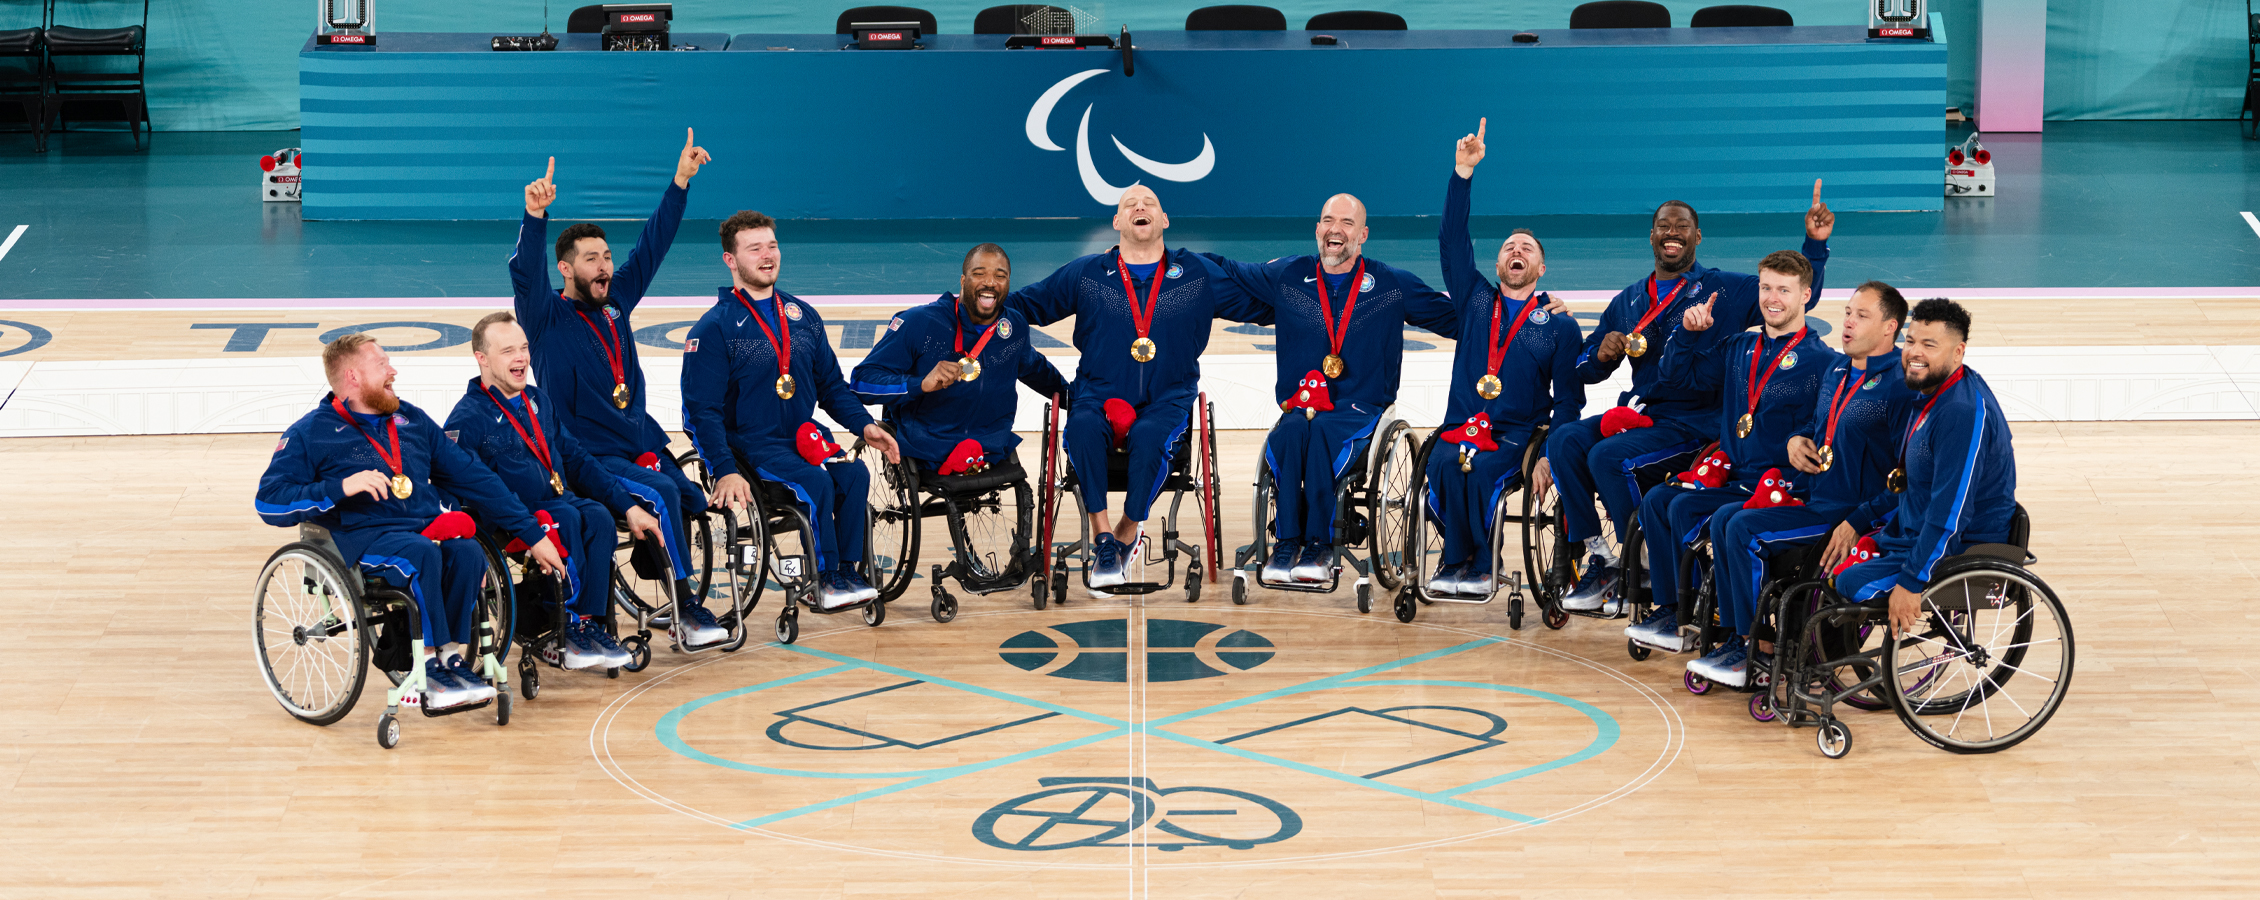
(1649, 639)
(1588, 603)
(1106, 581)
(576, 661)
(1277, 575)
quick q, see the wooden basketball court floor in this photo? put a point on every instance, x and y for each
(1289, 748)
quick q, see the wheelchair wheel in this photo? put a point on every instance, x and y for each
(1990, 663)
(701, 528)
(891, 549)
(991, 534)
(1803, 600)
(1049, 479)
(1834, 738)
(1424, 538)
(1542, 543)
(746, 566)
(1211, 488)
(498, 605)
(311, 634)
(1390, 490)
(1265, 517)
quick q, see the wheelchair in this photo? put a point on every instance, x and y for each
(1990, 663)
(1517, 505)
(1372, 508)
(991, 516)
(1192, 469)
(773, 545)
(1550, 551)
(318, 624)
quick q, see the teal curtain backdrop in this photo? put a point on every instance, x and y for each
(222, 65)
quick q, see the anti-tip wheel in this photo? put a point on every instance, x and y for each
(388, 731)
(1633, 649)
(639, 653)
(788, 628)
(1834, 738)
(944, 607)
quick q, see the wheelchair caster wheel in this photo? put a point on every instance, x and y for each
(501, 708)
(1761, 706)
(613, 672)
(639, 653)
(388, 731)
(1059, 586)
(1634, 650)
(1697, 684)
(874, 613)
(1405, 607)
(1039, 593)
(1365, 598)
(945, 606)
(1555, 617)
(788, 629)
(1834, 739)
(529, 678)
(1514, 612)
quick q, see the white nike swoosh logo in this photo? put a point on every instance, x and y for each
(1110, 271)
(741, 323)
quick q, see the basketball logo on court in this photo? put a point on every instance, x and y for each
(1075, 812)
(1099, 650)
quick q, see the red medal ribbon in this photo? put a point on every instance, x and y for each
(1499, 350)
(537, 442)
(784, 347)
(1334, 337)
(1144, 321)
(393, 423)
(1757, 384)
(1923, 416)
(957, 335)
(613, 355)
(1841, 401)
(1655, 306)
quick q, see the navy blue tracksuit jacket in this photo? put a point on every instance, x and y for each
(1736, 311)
(929, 425)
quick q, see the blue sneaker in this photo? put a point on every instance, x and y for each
(579, 649)
(1660, 631)
(1106, 562)
(441, 690)
(833, 591)
(853, 581)
(1594, 587)
(1447, 579)
(1730, 666)
(1475, 583)
(1703, 665)
(698, 627)
(1310, 566)
(614, 654)
(1281, 566)
(469, 677)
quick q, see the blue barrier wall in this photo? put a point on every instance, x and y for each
(1731, 120)
(232, 65)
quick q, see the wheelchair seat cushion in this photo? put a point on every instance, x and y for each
(65, 39)
(994, 477)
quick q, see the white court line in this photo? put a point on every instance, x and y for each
(20, 229)
(2249, 219)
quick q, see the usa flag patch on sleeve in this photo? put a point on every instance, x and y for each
(455, 437)
(690, 345)
(285, 442)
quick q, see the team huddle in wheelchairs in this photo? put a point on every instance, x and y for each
(1811, 526)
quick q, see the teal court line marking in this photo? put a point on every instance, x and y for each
(667, 729)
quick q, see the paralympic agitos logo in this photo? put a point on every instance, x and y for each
(1039, 120)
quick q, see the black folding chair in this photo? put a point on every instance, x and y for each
(1620, 14)
(23, 63)
(924, 19)
(1355, 20)
(1235, 18)
(72, 93)
(1741, 16)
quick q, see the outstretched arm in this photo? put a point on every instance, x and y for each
(634, 275)
(1454, 244)
(529, 263)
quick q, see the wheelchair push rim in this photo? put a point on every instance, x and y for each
(1988, 665)
(891, 517)
(310, 634)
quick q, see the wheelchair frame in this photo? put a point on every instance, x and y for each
(1361, 507)
(752, 557)
(911, 499)
(1562, 574)
(342, 601)
(1421, 543)
(1194, 470)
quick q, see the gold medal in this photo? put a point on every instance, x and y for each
(1143, 350)
(402, 487)
(968, 369)
(1637, 345)
(1828, 457)
(620, 396)
(1332, 365)
(785, 386)
(557, 484)
(1488, 387)
(1896, 481)
(1743, 425)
